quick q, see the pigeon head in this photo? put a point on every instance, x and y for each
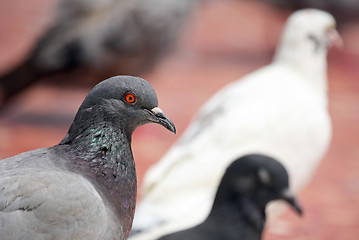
(307, 33)
(311, 28)
(303, 47)
(259, 179)
(124, 102)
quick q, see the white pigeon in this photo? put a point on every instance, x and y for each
(280, 110)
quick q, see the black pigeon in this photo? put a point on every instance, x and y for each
(101, 38)
(238, 212)
(84, 187)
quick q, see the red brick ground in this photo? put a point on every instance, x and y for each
(226, 39)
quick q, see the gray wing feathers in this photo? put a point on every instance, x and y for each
(50, 204)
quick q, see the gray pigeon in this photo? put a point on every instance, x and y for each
(102, 37)
(84, 187)
(238, 212)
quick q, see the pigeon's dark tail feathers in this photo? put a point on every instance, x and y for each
(17, 80)
(31, 70)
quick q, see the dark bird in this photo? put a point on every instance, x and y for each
(101, 38)
(85, 186)
(238, 211)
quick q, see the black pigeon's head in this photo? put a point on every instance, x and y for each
(123, 102)
(258, 178)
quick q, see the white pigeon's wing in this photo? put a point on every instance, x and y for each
(229, 104)
(205, 149)
(49, 204)
(267, 120)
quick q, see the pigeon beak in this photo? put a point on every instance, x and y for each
(289, 197)
(161, 118)
(334, 39)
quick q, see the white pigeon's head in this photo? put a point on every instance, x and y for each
(308, 32)
(303, 47)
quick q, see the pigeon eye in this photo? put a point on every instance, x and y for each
(130, 98)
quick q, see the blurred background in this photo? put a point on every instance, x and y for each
(218, 42)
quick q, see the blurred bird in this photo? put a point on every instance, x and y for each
(280, 110)
(238, 211)
(84, 187)
(103, 37)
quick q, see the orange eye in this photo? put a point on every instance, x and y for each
(130, 98)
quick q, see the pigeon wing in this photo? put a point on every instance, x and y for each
(47, 203)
